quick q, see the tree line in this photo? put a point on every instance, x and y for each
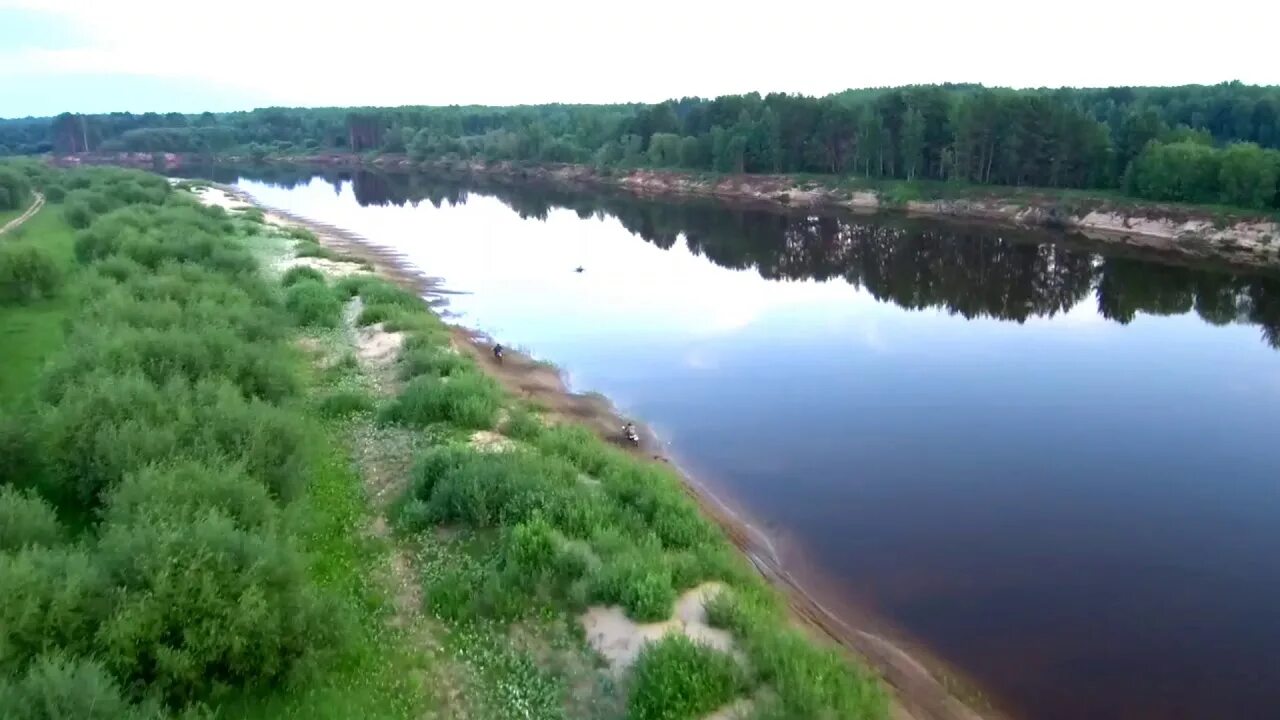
(1207, 144)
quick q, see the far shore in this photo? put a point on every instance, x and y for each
(923, 686)
(1236, 237)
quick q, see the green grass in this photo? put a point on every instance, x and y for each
(30, 334)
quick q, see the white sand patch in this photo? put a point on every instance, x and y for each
(375, 347)
(487, 441)
(220, 198)
(739, 710)
(619, 639)
(330, 268)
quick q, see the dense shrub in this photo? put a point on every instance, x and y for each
(807, 680)
(298, 232)
(185, 491)
(312, 304)
(55, 193)
(115, 424)
(27, 273)
(259, 371)
(53, 599)
(204, 604)
(679, 679)
(639, 581)
(21, 457)
(382, 292)
(26, 520)
(301, 272)
(351, 285)
(14, 189)
(486, 489)
(153, 236)
(343, 403)
(466, 399)
(374, 314)
(436, 362)
(183, 296)
(58, 687)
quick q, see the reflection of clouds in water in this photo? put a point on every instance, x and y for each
(873, 338)
(1083, 314)
(701, 359)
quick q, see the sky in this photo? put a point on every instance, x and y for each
(160, 55)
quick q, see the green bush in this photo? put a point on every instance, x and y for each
(180, 298)
(298, 273)
(26, 520)
(53, 599)
(468, 400)
(14, 189)
(27, 273)
(58, 687)
(344, 403)
(807, 680)
(185, 491)
(313, 305)
(679, 679)
(202, 605)
(21, 457)
(374, 314)
(298, 232)
(77, 213)
(153, 236)
(214, 351)
(431, 361)
(639, 581)
(314, 250)
(119, 268)
(116, 424)
(55, 193)
(453, 484)
(383, 292)
(351, 285)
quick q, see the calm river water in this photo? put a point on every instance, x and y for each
(1056, 468)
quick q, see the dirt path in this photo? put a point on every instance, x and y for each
(35, 208)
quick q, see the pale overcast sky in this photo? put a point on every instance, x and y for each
(139, 55)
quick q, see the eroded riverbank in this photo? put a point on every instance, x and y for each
(924, 687)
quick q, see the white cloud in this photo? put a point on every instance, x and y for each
(383, 52)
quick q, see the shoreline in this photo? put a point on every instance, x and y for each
(923, 687)
(1237, 237)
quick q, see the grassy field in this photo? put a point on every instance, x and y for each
(30, 333)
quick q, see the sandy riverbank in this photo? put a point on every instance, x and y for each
(924, 688)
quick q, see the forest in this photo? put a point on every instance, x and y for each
(1215, 144)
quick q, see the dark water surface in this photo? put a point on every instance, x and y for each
(1056, 468)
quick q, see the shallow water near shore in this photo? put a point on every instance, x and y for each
(1053, 466)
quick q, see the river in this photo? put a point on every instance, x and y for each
(1053, 466)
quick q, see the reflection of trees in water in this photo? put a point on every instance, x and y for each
(972, 271)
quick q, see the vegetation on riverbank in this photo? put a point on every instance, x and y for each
(195, 474)
(182, 530)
